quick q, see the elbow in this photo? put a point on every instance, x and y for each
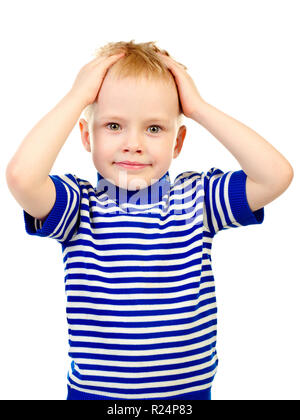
(10, 174)
(288, 177)
(290, 173)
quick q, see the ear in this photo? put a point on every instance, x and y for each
(85, 135)
(179, 141)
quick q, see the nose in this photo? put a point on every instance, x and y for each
(133, 142)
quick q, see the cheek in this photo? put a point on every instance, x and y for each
(103, 148)
(167, 151)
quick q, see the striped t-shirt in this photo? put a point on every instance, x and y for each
(141, 306)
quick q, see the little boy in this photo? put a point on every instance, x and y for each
(141, 306)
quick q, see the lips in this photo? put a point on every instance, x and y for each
(131, 165)
(127, 162)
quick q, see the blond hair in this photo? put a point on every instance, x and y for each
(140, 60)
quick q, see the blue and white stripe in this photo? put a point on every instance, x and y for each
(141, 305)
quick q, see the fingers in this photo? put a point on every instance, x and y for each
(169, 61)
(171, 64)
(116, 56)
(112, 60)
(107, 60)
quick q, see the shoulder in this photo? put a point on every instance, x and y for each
(188, 177)
(73, 184)
(187, 183)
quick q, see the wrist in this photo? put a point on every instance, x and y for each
(77, 97)
(199, 112)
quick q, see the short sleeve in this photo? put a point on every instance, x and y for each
(225, 201)
(62, 221)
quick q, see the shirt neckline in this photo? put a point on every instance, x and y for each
(149, 196)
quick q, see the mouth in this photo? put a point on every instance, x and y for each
(131, 165)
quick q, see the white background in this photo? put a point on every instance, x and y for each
(244, 59)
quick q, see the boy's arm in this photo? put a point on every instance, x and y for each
(33, 161)
(27, 172)
(268, 172)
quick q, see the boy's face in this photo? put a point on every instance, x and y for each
(136, 121)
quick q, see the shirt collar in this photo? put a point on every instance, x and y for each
(152, 194)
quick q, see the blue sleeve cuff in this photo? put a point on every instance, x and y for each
(35, 226)
(239, 203)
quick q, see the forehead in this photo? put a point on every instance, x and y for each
(125, 96)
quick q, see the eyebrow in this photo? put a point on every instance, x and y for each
(115, 117)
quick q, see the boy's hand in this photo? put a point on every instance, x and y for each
(89, 80)
(189, 96)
